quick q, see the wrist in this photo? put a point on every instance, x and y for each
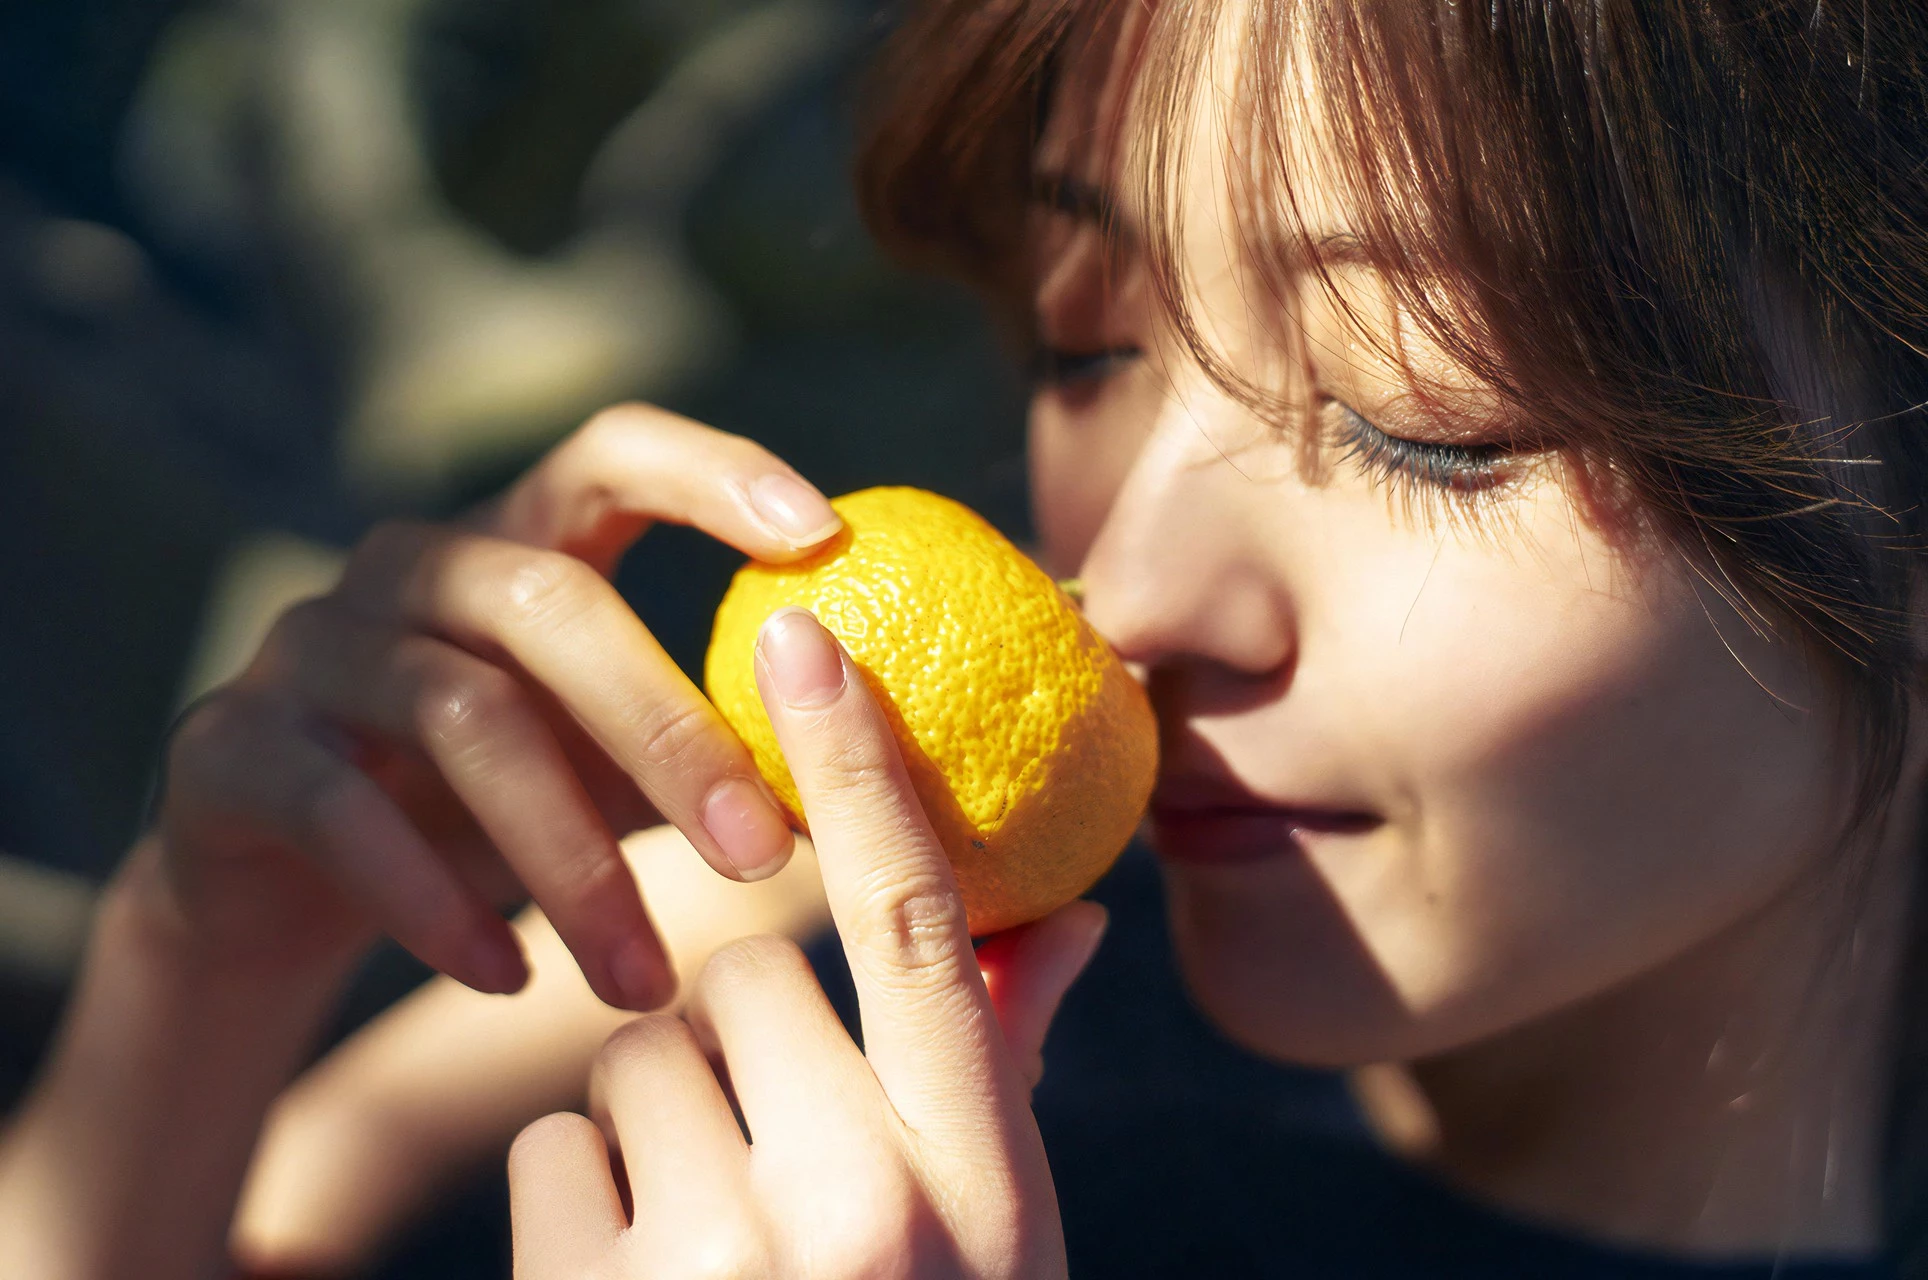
(174, 1044)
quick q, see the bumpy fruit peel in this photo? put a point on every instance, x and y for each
(1031, 748)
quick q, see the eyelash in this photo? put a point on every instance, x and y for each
(1459, 469)
(1057, 367)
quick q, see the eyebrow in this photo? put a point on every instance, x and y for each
(1342, 249)
(1090, 202)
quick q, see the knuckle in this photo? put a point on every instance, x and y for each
(294, 634)
(643, 1041)
(606, 426)
(456, 707)
(208, 728)
(539, 1145)
(545, 587)
(877, 1231)
(221, 735)
(583, 878)
(758, 960)
(722, 1254)
(854, 763)
(911, 923)
(669, 732)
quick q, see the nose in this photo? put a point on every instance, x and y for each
(1181, 570)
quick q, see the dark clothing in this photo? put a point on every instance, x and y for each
(1177, 1155)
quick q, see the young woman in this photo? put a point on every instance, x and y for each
(1495, 432)
(1492, 430)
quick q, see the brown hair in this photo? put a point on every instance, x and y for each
(1686, 241)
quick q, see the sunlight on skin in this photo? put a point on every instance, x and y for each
(1584, 936)
(440, 1084)
(1604, 809)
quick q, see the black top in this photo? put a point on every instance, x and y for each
(1177, 1154)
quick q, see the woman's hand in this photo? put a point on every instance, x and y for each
(916, 1156)
(474, 710)
(434, 1090)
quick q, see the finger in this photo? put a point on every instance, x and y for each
(494, 749)
(1028, 970)
(250, 760)
(481, 868)
(551, 617)
(564, 1212)
(635, 464)
(406, 773)
(759, 1008)
(419, 789)
(686, 1159)
(929, 1031)
(624, 807)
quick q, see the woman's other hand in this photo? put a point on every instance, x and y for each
(915, 1156)
(474, 713)
(434, 1090)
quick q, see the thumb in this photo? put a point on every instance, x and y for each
(1028, 970)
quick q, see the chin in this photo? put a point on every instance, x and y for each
(1284, 978)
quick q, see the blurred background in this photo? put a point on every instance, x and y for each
(273, 269)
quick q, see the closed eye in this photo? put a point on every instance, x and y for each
(1057, 367)
(1461, 468)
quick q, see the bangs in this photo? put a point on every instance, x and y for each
(1681, 243)
(1569, 219)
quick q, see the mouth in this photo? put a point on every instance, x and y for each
(1215, 822)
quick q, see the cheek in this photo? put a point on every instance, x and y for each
(1079, 458)
(1582, 778)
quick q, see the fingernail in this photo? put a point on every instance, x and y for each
(794, 509)
(803, 662)
(641, 975)
(747, 828)
(497, 968)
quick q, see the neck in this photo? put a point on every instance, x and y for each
(1729, 1103)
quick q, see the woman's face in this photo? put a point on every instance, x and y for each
(1443, 753)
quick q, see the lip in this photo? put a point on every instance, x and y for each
(1211, 821)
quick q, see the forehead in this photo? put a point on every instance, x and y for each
(1089, 96)
(1264, 243)
(1137, 91)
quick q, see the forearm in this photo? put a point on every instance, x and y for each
(443, 1082)
(127, 1155)
(363, 1143)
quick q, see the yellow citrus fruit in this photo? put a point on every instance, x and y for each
(1031, 747)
